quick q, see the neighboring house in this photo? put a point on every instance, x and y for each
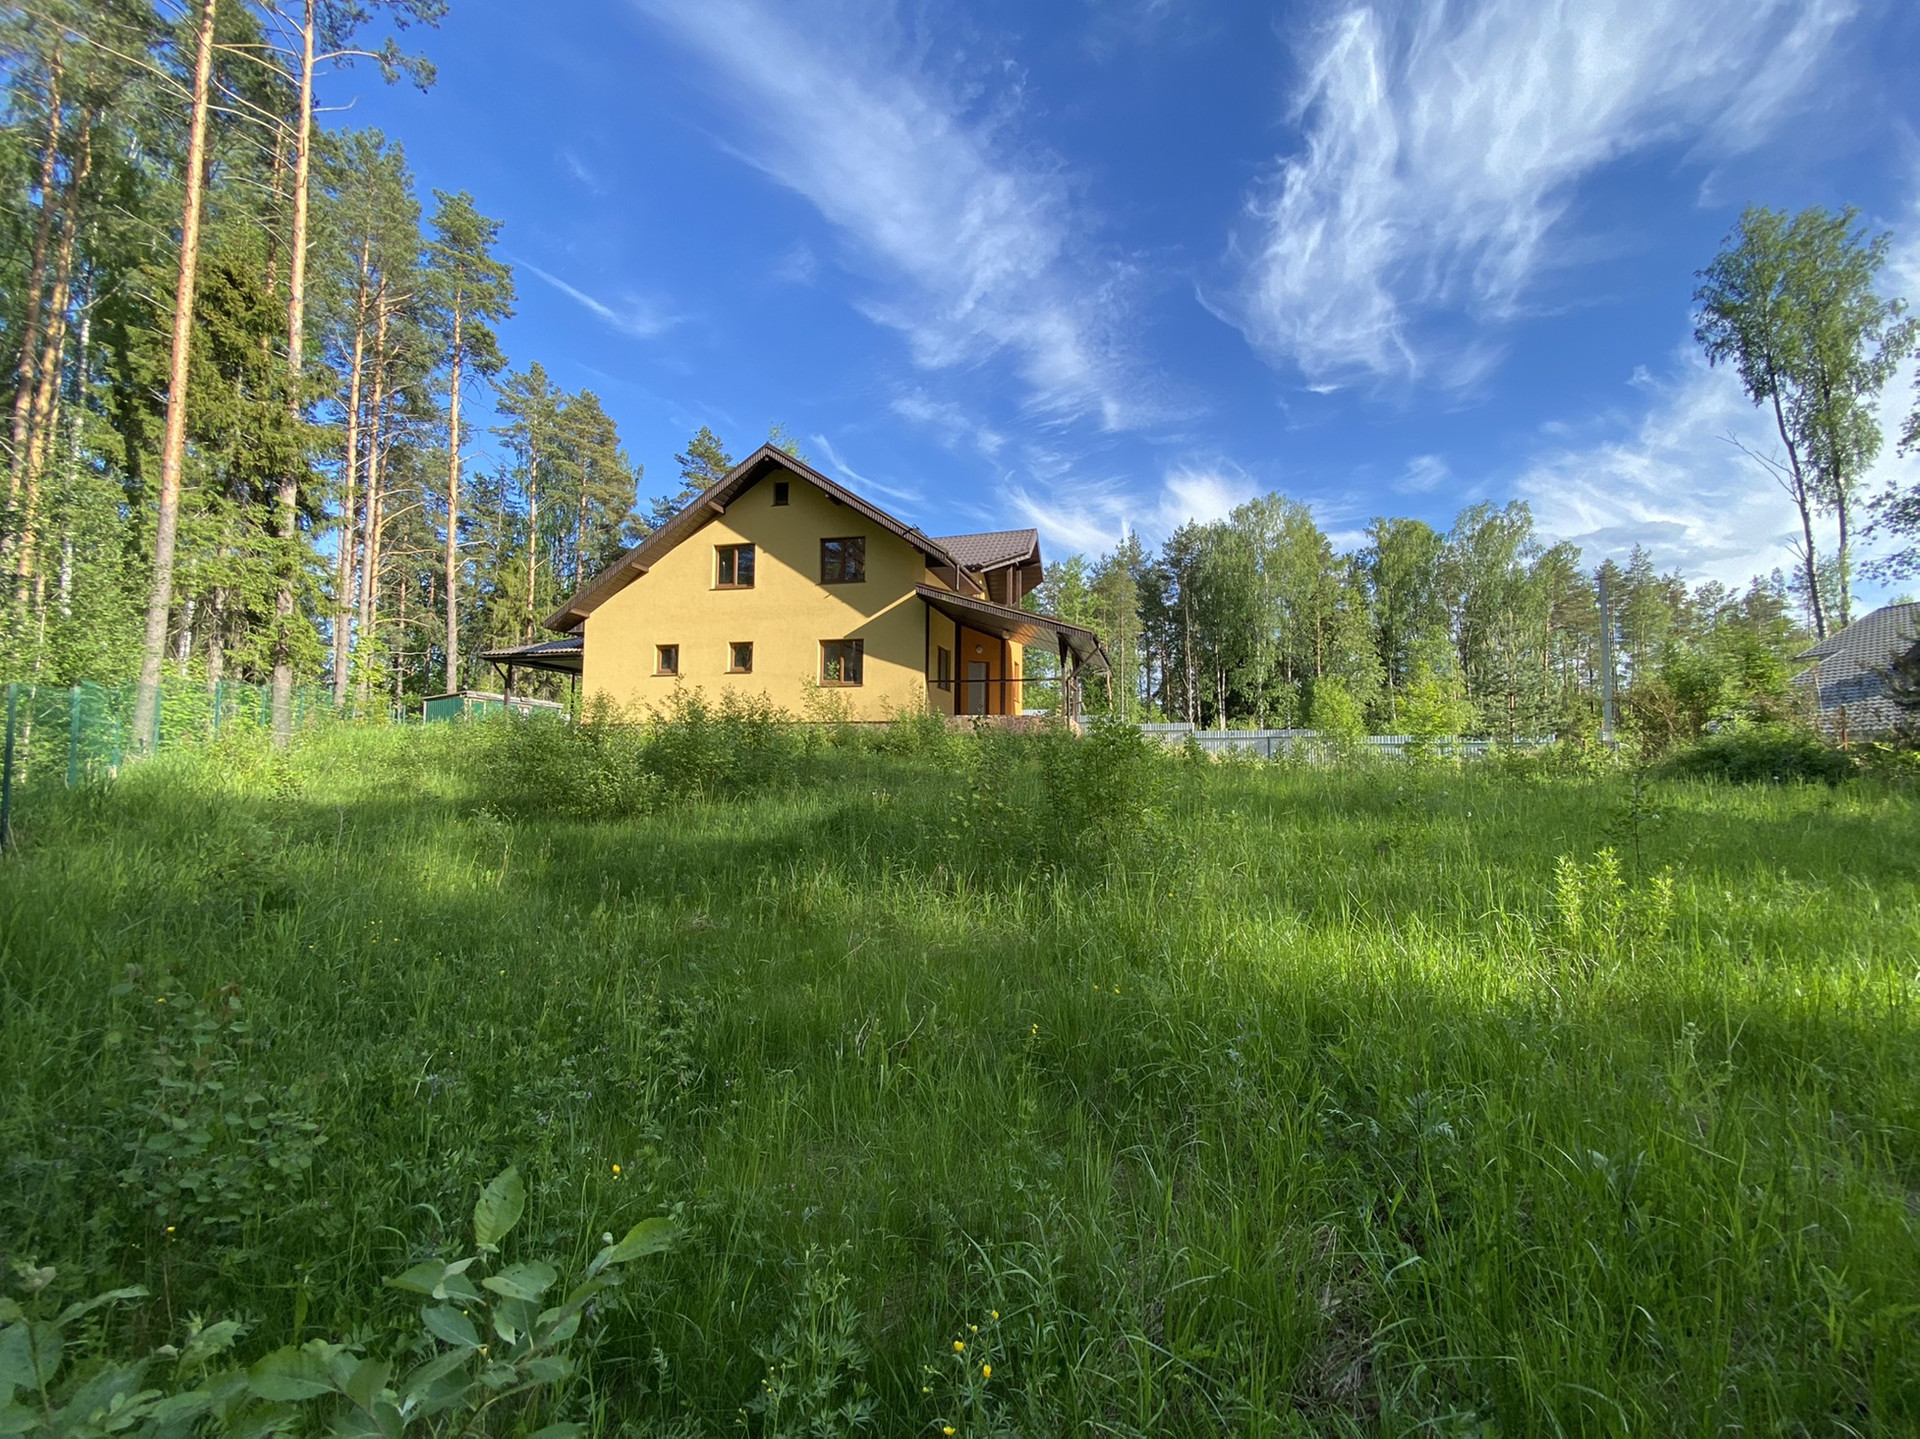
(1849, 683)
(778, 582)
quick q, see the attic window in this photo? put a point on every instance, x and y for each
(734, 566)
(666, 659)
(781, 495)
(843, 561)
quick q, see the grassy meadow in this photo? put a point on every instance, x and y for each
(1183, 1097)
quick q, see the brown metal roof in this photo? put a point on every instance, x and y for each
(993, 548)
(713, 501)
(1018, 625)
(561, 656)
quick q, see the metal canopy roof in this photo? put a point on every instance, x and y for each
(1040, 631)
(560, 656)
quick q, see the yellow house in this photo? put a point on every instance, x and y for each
(779, 582)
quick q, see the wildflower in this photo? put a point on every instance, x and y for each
(169, 1229)
(986, 1371)
(161, 1000)
(946, 1429)
(959, 1346)
(993, 1313)
(616, 1170)
(1036, 1031)
(973, 1329)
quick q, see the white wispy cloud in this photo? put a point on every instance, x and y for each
(580, 171)
(1674, 481)
(1078, 513)
(951, 424)
(632, 315)
(1443, 144)
(974, 241)
(906, 494)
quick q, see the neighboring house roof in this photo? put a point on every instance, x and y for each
(713, 501)
(1019, 626)
(993, 548)
(1851, 672)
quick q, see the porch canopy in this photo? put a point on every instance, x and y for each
(1078, 647)
(561, 656)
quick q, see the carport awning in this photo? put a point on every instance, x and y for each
(1038, 631)
(561, 656)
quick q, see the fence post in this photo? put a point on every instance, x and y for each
(73, 740)
(6, 778)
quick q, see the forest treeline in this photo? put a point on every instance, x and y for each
(262, 427)
(327, 520)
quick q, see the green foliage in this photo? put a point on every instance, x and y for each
(210, 1147)
(1599, 918)
(488, 1353)
(815, 1385)
(1303, 1091)
(1761, 754)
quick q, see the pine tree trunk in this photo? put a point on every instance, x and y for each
(36, 285)
(287, 501)
(72, 479)
(533, 535)
(174, 444)
(46, 399)
(370, 529)
(580, 532)
(343, 577)
(453, 511)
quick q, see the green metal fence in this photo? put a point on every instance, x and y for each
(70, 734)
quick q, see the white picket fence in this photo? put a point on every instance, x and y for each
(1309, 744)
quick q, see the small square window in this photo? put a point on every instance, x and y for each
(781, 494)
(843, 561)
(840, 661)
(734, 567)
(740, 657)
(666, 659)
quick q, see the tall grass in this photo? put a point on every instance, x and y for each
(1188, 1098)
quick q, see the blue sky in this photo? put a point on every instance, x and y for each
(1094, 265)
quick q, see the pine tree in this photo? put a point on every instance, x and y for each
(705, 463)
(472, 291)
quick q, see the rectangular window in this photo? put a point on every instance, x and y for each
(781, 495)
(735, 567)
(740, 657)
(843, 561)
(943, 667)
(840, 661)
(666, 659)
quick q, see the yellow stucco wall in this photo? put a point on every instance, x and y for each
(786, 614)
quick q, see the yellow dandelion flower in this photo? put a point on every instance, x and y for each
(946, 1429)
(995, 1313)
(986, 1371)
(959, 1346)
(973, 1329)
(616, 1169)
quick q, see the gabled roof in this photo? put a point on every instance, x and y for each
(713, 501)
(1854, 661)
(993, 548)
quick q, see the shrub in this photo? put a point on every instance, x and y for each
(1760, 754)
